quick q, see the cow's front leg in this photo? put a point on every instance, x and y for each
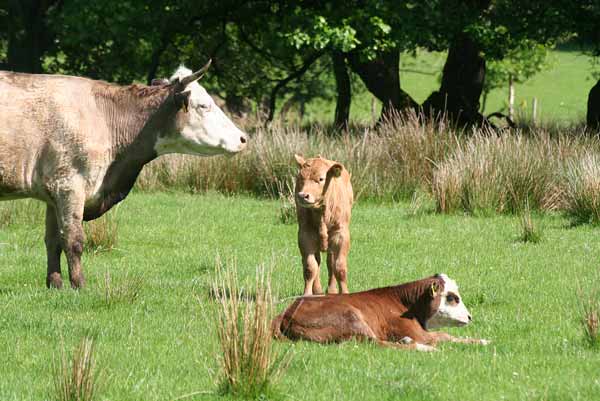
(53, 249)
(70, 224)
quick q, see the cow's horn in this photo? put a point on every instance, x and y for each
(185, 81)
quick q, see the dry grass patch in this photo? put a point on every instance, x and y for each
(529, 231)
(590, 315)
(582, 189)
(101, 235)
(250, 365)
(77, 378)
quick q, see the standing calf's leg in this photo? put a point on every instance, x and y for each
(339, 246)
(53, 249)
(311, 258)
(332, 287)
(70, 220)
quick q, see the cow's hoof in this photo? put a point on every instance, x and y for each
(77, 282)
(425, 348)
(54, 281)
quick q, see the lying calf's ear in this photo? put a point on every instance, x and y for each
(335, 170)
(300, 160)
(182, 100)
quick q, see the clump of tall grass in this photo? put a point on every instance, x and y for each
(127, 290)
(77, 379)
(491, 172)
(582, 189)
(590, 315)
(529, 231)
(250, 366)
(101, 235)
(287, 209)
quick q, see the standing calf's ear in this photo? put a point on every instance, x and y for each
(182, 100)
(300, 160)
(335, 170)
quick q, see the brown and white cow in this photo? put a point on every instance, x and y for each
(324, 197)
(79, 144)
(398, 316)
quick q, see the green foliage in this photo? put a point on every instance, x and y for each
(520, 63)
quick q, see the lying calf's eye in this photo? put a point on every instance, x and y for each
(452, 298)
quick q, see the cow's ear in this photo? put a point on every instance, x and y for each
(335, 170)
(435, 289)
(182, 100)
(300, 160)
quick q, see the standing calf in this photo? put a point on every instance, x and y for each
(398, 316)
(323, 196)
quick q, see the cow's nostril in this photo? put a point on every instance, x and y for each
(470, 318)
(243, 139)
(306, 196)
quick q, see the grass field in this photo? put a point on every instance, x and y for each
(561, 89)
(163, 344)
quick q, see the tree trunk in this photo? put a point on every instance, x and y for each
(344, 91)
(462, 83)
(593, 107)
(382, 78)
(28, 36)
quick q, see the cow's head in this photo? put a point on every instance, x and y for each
(448, 307)
(201, 128)
(313, 179)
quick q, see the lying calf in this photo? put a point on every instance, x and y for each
(397, 316)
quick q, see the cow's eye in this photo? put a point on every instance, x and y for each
(321, 179)
(204, 106)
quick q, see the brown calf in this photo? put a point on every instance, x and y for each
(397, 316)
(324, 199)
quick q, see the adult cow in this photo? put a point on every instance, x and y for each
(79, 144)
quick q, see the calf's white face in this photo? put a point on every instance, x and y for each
(452, 311)
(201, 128)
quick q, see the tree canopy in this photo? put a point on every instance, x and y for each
(265, 51)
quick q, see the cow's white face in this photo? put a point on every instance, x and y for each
(452, 311)
(203, 129)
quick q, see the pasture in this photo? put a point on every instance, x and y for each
(161, 344)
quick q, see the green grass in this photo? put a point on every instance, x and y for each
(163, 343)
(561, 89)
